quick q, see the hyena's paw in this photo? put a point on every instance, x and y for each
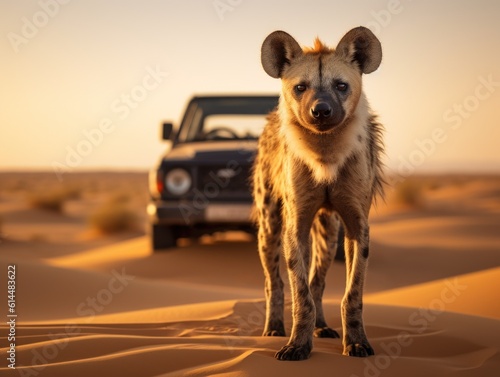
(359, 350)
(274, 333)
(293, 353)
(325, 332)
(274, 328)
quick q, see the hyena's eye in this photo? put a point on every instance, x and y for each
(300, 88)
(341, 86)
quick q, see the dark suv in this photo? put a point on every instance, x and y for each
(202, 184)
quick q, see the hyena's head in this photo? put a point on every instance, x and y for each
(321, 87)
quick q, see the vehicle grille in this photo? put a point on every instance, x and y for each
(223, 181)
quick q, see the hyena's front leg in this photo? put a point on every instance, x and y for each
(357, 249)
(269, 245)
(324, 234)
(296, 246)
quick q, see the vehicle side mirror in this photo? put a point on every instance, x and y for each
(166, 132)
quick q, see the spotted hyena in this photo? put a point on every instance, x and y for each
(318, 163)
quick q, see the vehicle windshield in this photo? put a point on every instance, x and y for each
(225, 118)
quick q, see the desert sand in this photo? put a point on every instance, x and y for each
(90, 303)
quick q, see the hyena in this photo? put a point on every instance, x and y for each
(318, 164)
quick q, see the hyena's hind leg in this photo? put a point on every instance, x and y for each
(269, 244)
(324, 234)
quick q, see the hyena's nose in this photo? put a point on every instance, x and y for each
(321, 110)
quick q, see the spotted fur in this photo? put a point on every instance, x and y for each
(318, 165)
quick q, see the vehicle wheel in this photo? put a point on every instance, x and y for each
(340, 254)
(162, 237)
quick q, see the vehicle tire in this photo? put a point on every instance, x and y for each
(340, 253)
(162, 237)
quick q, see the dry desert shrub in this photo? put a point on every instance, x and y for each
(50, 201)
(409, 192)
(53, 199)
(113, 217)
(120, 197)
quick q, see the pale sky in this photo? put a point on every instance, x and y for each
(71, 67)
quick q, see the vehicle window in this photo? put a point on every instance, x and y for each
(232, 127)
(225, 118)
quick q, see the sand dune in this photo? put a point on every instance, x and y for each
(159, 328)
(227, 343)
(465, 294)
(117, 309)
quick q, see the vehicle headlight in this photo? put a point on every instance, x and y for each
(178, 181)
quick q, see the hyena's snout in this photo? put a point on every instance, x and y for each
(325, 112)
(321, 110)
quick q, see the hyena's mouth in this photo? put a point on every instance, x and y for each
(325, 127)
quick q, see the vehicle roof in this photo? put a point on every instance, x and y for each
(235, 96)
(233, 104)
(225, 95)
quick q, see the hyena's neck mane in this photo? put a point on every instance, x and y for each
(325, 154)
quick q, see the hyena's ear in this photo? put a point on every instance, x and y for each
(278, 51)
(360, 45)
